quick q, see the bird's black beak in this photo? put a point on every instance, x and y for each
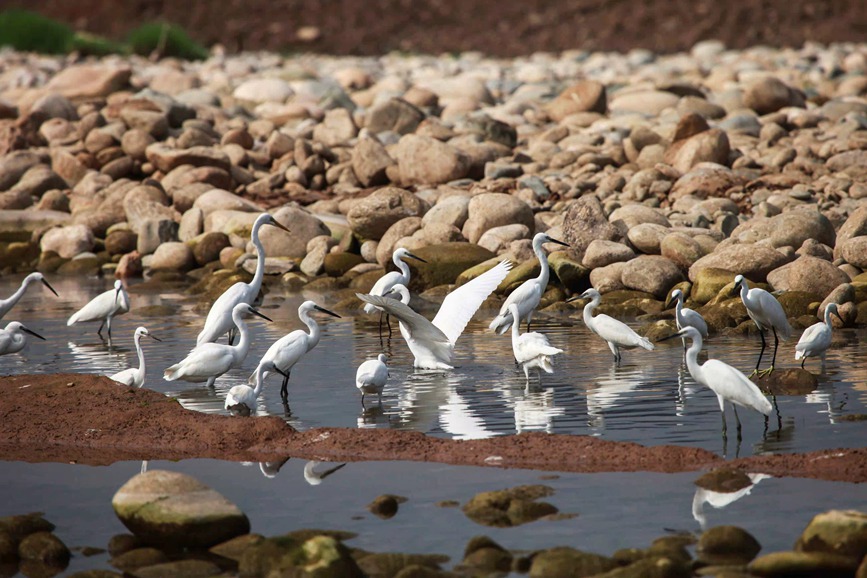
(416, 257)
(550, 240)
(33, 333)
(116, 295)
(154, 337)
(263, 316)
(573, 298)
(667, 303)
(736, 288)
(50, 288)
(838, 316)
(667, 337)
(331, 471)
(274, 223)
(323, 310)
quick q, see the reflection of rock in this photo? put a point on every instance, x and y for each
(791, 381)
(721, 488)
(385, 506)
(510, 507)
(169, 508)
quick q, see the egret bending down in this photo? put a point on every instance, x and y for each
(242, 398)
(219, 320)
(528, 295)
(729, 384)
(616, 333)
(817, 337)
(284, 353)
(103, 307)
(9, 303)
(208, 361)
(767, 313)
(135, 376)
(686, 317)
(531, 349)
(13, 338)
(433, 342)
(371, 377)
(384, 284)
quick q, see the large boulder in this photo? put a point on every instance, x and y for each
(444, 263)
(489, 210)
(370, 217)
(175, 510)
(854, 251)
(68, 241)
(452, 210)
(752, 260)
(841, 532)
(585, 221)
(809, 274)
(302, 228)
(426, 160)
(601, 253)
(652, 274)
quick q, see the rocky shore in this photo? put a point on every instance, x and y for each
(659, 171)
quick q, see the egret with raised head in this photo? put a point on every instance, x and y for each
(135, 376)
(219, 320)
(433, 342)
(767, 313)
(104, 307)
(528, 295)
(616, 333)
(371, 376)
(208, 361)
(9, 302)
(284, 353)
(14, 337)
(817, 337)
(384, 284)
(686, 317)
(532, 350)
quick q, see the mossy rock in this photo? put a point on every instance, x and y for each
(572, 275)
(566, 562)
(476, 270)
(658, 330)
(8, 548)
(44, 547)
(624, 295)
(19, 526)
(49, 262)
(841, 532)
(788, 381)
(21, 256)
(488, 560)
(120, 543)
(364, 283)
(385, 506)
(207, 247)
(326, 284)
(388, 564)
(337, 264)
(709, 282)
(520, 273)
(179, 569)
(509, 507)
(234, 549)
(85, 266)
(798, 303)
(445, 262)
(803, 564)
(727, 545)
(138, 558)
(651, 567)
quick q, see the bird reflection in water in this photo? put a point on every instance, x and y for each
(720, 500)
(612, 389)
(314, 478)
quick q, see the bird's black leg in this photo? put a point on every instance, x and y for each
(803, 359)
(362, 400)
(388, 324)
(761, 353)
(776, 345)
(381, 315)
(284, 393)
(99, 331)
(738, 420)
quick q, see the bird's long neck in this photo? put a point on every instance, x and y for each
(828, 318)
(260, 370)
(692, 358)
(588, 311)
(141, 361)
(256, 283)
(545, 272)
(20, 292)
(404, 268)
(516, 333)
(312, 327)
(239, 351)
(745, 292)
(678, 309)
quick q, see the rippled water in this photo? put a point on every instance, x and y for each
(650, 398)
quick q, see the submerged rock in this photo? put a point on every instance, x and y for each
(510, 507)
(44, 547)
(789, 381)
(385, 506)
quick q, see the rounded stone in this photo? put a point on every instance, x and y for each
(208, 247)
(173, 256)
(371, 217)
(652, 274)
(489, 210)
(601, 253)
(44, 547)
(727, 545)
(837, 532)
(68, 241)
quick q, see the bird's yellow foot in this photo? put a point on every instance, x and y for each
(766, 372)
(755, 371)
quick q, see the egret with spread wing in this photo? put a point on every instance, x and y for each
(384, 284)
(433, 342)
(9, 303)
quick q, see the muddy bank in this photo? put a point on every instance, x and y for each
(89, 419)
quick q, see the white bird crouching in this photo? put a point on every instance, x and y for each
(767, 313)
(7, 304)
(371, 377)
(135, 376)
(103, 307)
(242, 398)
(13, 338)
(817, 337)
(433, 342)
(532, 350)
(616, 333)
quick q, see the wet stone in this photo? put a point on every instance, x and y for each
(727, 545)
(510, 507)
(787, 564)
(563, 561)
(837, 532)
(388, 564)
(179, 569)
(138, 558)
(44, 547)
(385, 506)
(788, 381)
(120, 543)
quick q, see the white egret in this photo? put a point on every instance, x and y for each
(314, 478)
(135, 376)
(242, 398)
(729, 384)
(219, 320)
(433, 342)
(103, 307)
(13, 338)
(531, 349)
(767, 313)
(616, 333)
(208, 361)
(9, 303)
(686, 317)
(528, 295)
(284, 353)
(371, 376)
(384, 284)
(817, 337)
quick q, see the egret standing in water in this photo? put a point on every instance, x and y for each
(685, 317)
(817, 337)
(208, 361)
(103, 307)
(371, 377)
(433, 342)
(528, 295)
(616, 333)
(9, 303)
(13, 338)
(286, 351)
(242, 398)
(219, 320)
(531, 349)
(135, 376)
(767, 313)
(729, 384)
(384, 284)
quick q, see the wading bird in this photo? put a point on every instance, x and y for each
(529, 293)
(532, 350)
(729, 384)
(242, 398)
(219, 320)
(817, 337)
(103, 307)
(13, 338)
(208, 361)
(767, 313)
(284, 353)
(9, 303)
(384, 284)
(685, 317)
(616, 333)
(135, 376)
(433, 342)
(371, 377)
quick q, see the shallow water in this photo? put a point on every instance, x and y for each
(650, 398)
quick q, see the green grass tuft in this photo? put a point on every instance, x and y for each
(31, 32)
(166, 40)
(93, 45)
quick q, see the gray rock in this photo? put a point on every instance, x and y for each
(647, 237)
(54, 105)
(154, 232)
(633, 215)
(498, 239)
(371, 216)
(425, 160)
(14, 164)
(317, 248)
(770, 94)
(452, 210)
(602, 253)
(370, 161)
(302, 228)
(585, 221)
(39, 179)
(608, 278)
(682, 249)
(855, 226)
(396, 115)
(652, 274)
(336, 128)
(489, 210)
(809, 274)
(854, 251)
(753, 261)
(68, 241)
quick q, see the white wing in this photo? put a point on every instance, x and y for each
(694, 319)
(6, 341)
(206, 360)
(734, 386)
(383, 285)
(98, 308)
(219, 320)
(615, 331)
(418, 328)
(814, 338)
(126, 377)
(461, 304)
(285, 352)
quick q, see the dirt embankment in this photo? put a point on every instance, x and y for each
(90, 419)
